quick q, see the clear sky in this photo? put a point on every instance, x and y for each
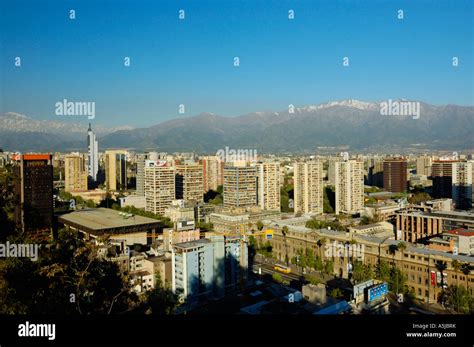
(190, 61)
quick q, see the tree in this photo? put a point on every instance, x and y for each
(466, 270)
(329, 267)
(384, 271)
(277, 278)
(336, 293)
(418, 197)
(459, 299)
(161, 300)
(67, 278)
(361, 272)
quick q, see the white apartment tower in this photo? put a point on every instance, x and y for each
(268, 186)
(349, 186)
(159, 186)
(308, 187)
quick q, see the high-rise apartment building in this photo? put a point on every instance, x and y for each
(395, 175)
(240, 186)
(189, 182)
(116, 170)
(442, 174)
(375, 173)
(308, 187)
(423, 165)
(140, 181)
(268, 185)
(34, 192)
(159, 186)
(462, 185)
(93, 154)
(331, 173)
(193, 269)
(213, 172)
(349, 186)
(75, 173)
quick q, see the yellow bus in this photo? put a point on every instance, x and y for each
(282, 268)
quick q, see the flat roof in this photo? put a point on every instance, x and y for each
(461, 231)
(101, 220)
(192, 244)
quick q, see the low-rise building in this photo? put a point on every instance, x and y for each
(100, 222)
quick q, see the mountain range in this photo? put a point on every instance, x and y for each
(348, 124)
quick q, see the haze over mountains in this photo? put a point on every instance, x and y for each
(352, 124)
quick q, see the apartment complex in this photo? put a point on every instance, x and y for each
(34, 192)
(268, 185)
(75, 173)
(395, 175)
(189, 182)
(349, 186)
(116, 170)
(462, 185)
(240, 186)
(140, 178)
(308, 187)
(423, 165)
(416, 225)
(213, 172)
(442, 174)
(208, 267)
(159, 186)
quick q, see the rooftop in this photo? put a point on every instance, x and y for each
(106, 219)
(192, 244)
(461, 231)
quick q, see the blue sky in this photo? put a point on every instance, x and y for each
(190, 61)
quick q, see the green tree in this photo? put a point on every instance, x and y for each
(161, 300)
(459, 299)
(67, 278)
(277, 278)
(336, 293)
(466, 270)
(361, 272)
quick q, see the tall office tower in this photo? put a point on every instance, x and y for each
(375, 173)
(442, 174)
(93, 154)
(423, 165)
(395, 175)
(332, 168)
(159, 186)
(34, 192)
(308, 187)
(141, 159)
(189, 182)
(462, 185)
(268, 186)
(213, 172)
(240, 186)
(349, 186)
(115, 170)
(75, 173)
